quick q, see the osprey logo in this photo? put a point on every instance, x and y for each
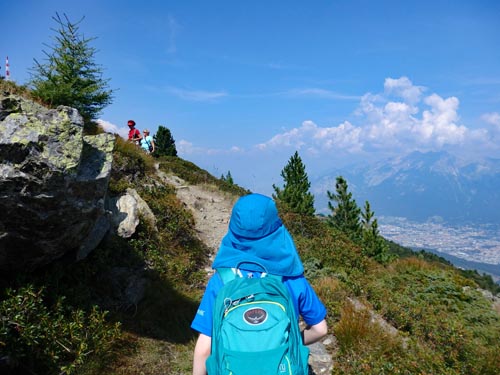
(255, 316)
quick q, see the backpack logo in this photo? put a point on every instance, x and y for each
(255, 316)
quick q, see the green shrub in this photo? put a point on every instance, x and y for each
(51, 338)
(439, 308)
(130, 162)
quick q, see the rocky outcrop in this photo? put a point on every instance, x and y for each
(53, 183)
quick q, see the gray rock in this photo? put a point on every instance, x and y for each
(126, 211)
(320, 360)
(124, 215)
(53, 183)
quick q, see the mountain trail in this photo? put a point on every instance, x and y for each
(211, 210)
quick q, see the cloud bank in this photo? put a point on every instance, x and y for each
(400, 119)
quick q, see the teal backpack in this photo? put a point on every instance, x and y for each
(255, 328)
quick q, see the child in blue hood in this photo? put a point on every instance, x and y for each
(256, 235)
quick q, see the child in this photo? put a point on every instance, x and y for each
(257, 235)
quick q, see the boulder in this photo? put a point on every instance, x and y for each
(126, 211)
(53, 184)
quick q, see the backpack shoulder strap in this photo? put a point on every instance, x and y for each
(228, 274)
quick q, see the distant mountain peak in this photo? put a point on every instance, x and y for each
(420, 185)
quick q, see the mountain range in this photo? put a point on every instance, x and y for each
(421, 186)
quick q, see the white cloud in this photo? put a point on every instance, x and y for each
(438, 125)
(112, 128)
(344, 136)
(292, 138)
(196, 95)
(185, 147)
(492, 119)
(403, 88)
(493, 130)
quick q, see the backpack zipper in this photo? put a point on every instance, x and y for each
(236, 304)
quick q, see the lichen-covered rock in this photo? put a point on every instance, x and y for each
(53, 183)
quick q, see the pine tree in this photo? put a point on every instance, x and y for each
(70, 75)
(295, 195)
(229, 178)
(164, 142)
(373, 243)
(345, 213)
(366, 217)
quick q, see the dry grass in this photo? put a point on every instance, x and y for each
(358, 332)
(411, 264)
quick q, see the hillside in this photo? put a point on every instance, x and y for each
(126, 308)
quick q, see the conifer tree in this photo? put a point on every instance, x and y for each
(373, 243)
(70, 75)
(345, 212)
(164, 142)
(295, 195)
(229, 178)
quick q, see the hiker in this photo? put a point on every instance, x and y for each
(134, 135)
(257, 241)
(147, 142)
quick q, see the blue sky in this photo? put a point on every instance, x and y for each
(242, 85)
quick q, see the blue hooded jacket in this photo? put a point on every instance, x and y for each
(257, 236)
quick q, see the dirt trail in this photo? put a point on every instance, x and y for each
(210, 207)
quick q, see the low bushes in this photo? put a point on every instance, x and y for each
(51, 338)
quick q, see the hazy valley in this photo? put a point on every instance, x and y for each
(468, 246)
(433, 201)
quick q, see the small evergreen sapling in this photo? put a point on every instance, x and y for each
(70, 75)
(227, 178)
(295, 195)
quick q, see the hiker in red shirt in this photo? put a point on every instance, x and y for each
(134, 135)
